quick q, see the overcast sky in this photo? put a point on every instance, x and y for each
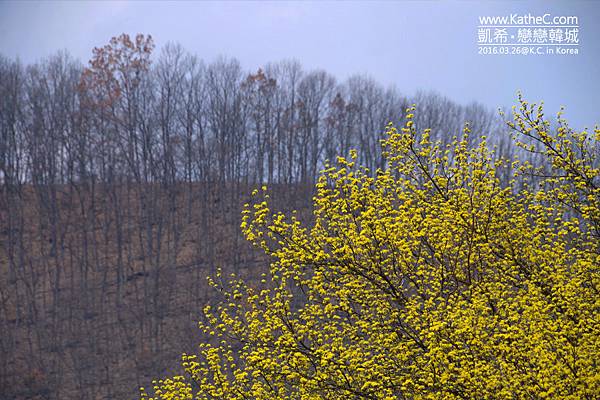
(414, 45)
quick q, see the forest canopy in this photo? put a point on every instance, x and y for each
(428, 278)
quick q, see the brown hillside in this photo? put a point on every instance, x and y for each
(102, 286)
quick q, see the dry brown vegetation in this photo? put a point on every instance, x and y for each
(100, 292)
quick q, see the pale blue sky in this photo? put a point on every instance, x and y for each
(428, 45)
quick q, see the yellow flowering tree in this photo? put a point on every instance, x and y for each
(428, 279)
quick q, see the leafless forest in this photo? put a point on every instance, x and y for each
(121, 185)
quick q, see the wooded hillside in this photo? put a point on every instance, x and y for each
(121, 187)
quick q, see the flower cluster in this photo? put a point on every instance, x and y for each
(428, 279)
